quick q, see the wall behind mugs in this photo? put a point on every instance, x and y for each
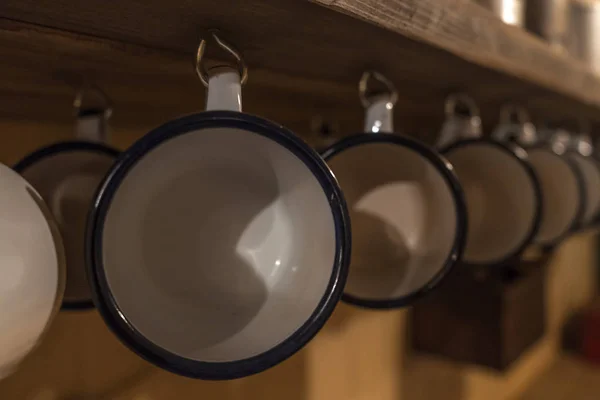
(358, 355)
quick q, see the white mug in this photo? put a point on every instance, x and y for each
(502, 192)
(406, 207)
(560, 179)
(32, 271)
(67, 175)
(579, 150)
(219, 243)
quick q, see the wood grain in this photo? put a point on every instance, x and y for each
(141, 52)
(473, 33)
(147, 86)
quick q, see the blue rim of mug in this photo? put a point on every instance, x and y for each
(445, 169)
(50, 151)
(519, 154)
(580, 208)
(107, 304)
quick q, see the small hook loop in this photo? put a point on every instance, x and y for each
(363, 87)
(201, 69)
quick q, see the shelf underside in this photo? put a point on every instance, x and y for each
(304, 59)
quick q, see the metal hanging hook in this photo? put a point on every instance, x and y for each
(201, 69)
(363, 85)
(80, 96)
(515, 126)
(512, 113)
(582, 139)
(460, 99)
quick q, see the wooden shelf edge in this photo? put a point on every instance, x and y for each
(471, 32)
(305, 59)
(48, 65)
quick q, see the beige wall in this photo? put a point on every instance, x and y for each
(359, 355)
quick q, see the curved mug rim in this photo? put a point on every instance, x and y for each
(210, 370)
(445, 169)
(519, 154)
(45, 152)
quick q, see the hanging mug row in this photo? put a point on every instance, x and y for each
(218, 244)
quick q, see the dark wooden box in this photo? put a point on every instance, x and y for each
(486, 320)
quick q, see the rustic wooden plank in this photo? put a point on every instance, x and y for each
(148, 86)
(473, 33)
(142, 50)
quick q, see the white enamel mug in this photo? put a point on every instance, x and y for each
(579, 150)
(67, 175)
(502, 192)
(219, 242)
(32, 271)
(560, 179)
(406, 207)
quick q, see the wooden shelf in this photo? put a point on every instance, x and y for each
(471, 32)
(304, 57)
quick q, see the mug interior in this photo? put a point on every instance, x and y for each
(30, 271)
(591, 180)
(67, 181)
(404, 219)
(218, 244)
(502, 201)
(561, 198)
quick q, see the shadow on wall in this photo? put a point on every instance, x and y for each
(285, 381)
(428, 377)
(80, 359)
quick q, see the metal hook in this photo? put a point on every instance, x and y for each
(378, 76)
(582, 139)
(80, 96)
(201, 68)
(509, 111)
(456, 99)
(515, 126)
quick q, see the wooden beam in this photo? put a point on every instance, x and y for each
(304, 59)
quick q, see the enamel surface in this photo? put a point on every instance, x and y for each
(561, 196)
(403, 216)
(31, 277)
(501, 201)
(591, 180)
(218, 245)
(67, 181)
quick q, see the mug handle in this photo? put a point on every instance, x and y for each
(515, 126)
(223, 82)
(457, 126)
(582, 141)
(456, 100)
(378, 108)
(92, 122)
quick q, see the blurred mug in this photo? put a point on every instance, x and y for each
(511, 12)
(67, 175)
(578, 148)
(563, 196)
(502, 193)
(406, 207)
(32, 270)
